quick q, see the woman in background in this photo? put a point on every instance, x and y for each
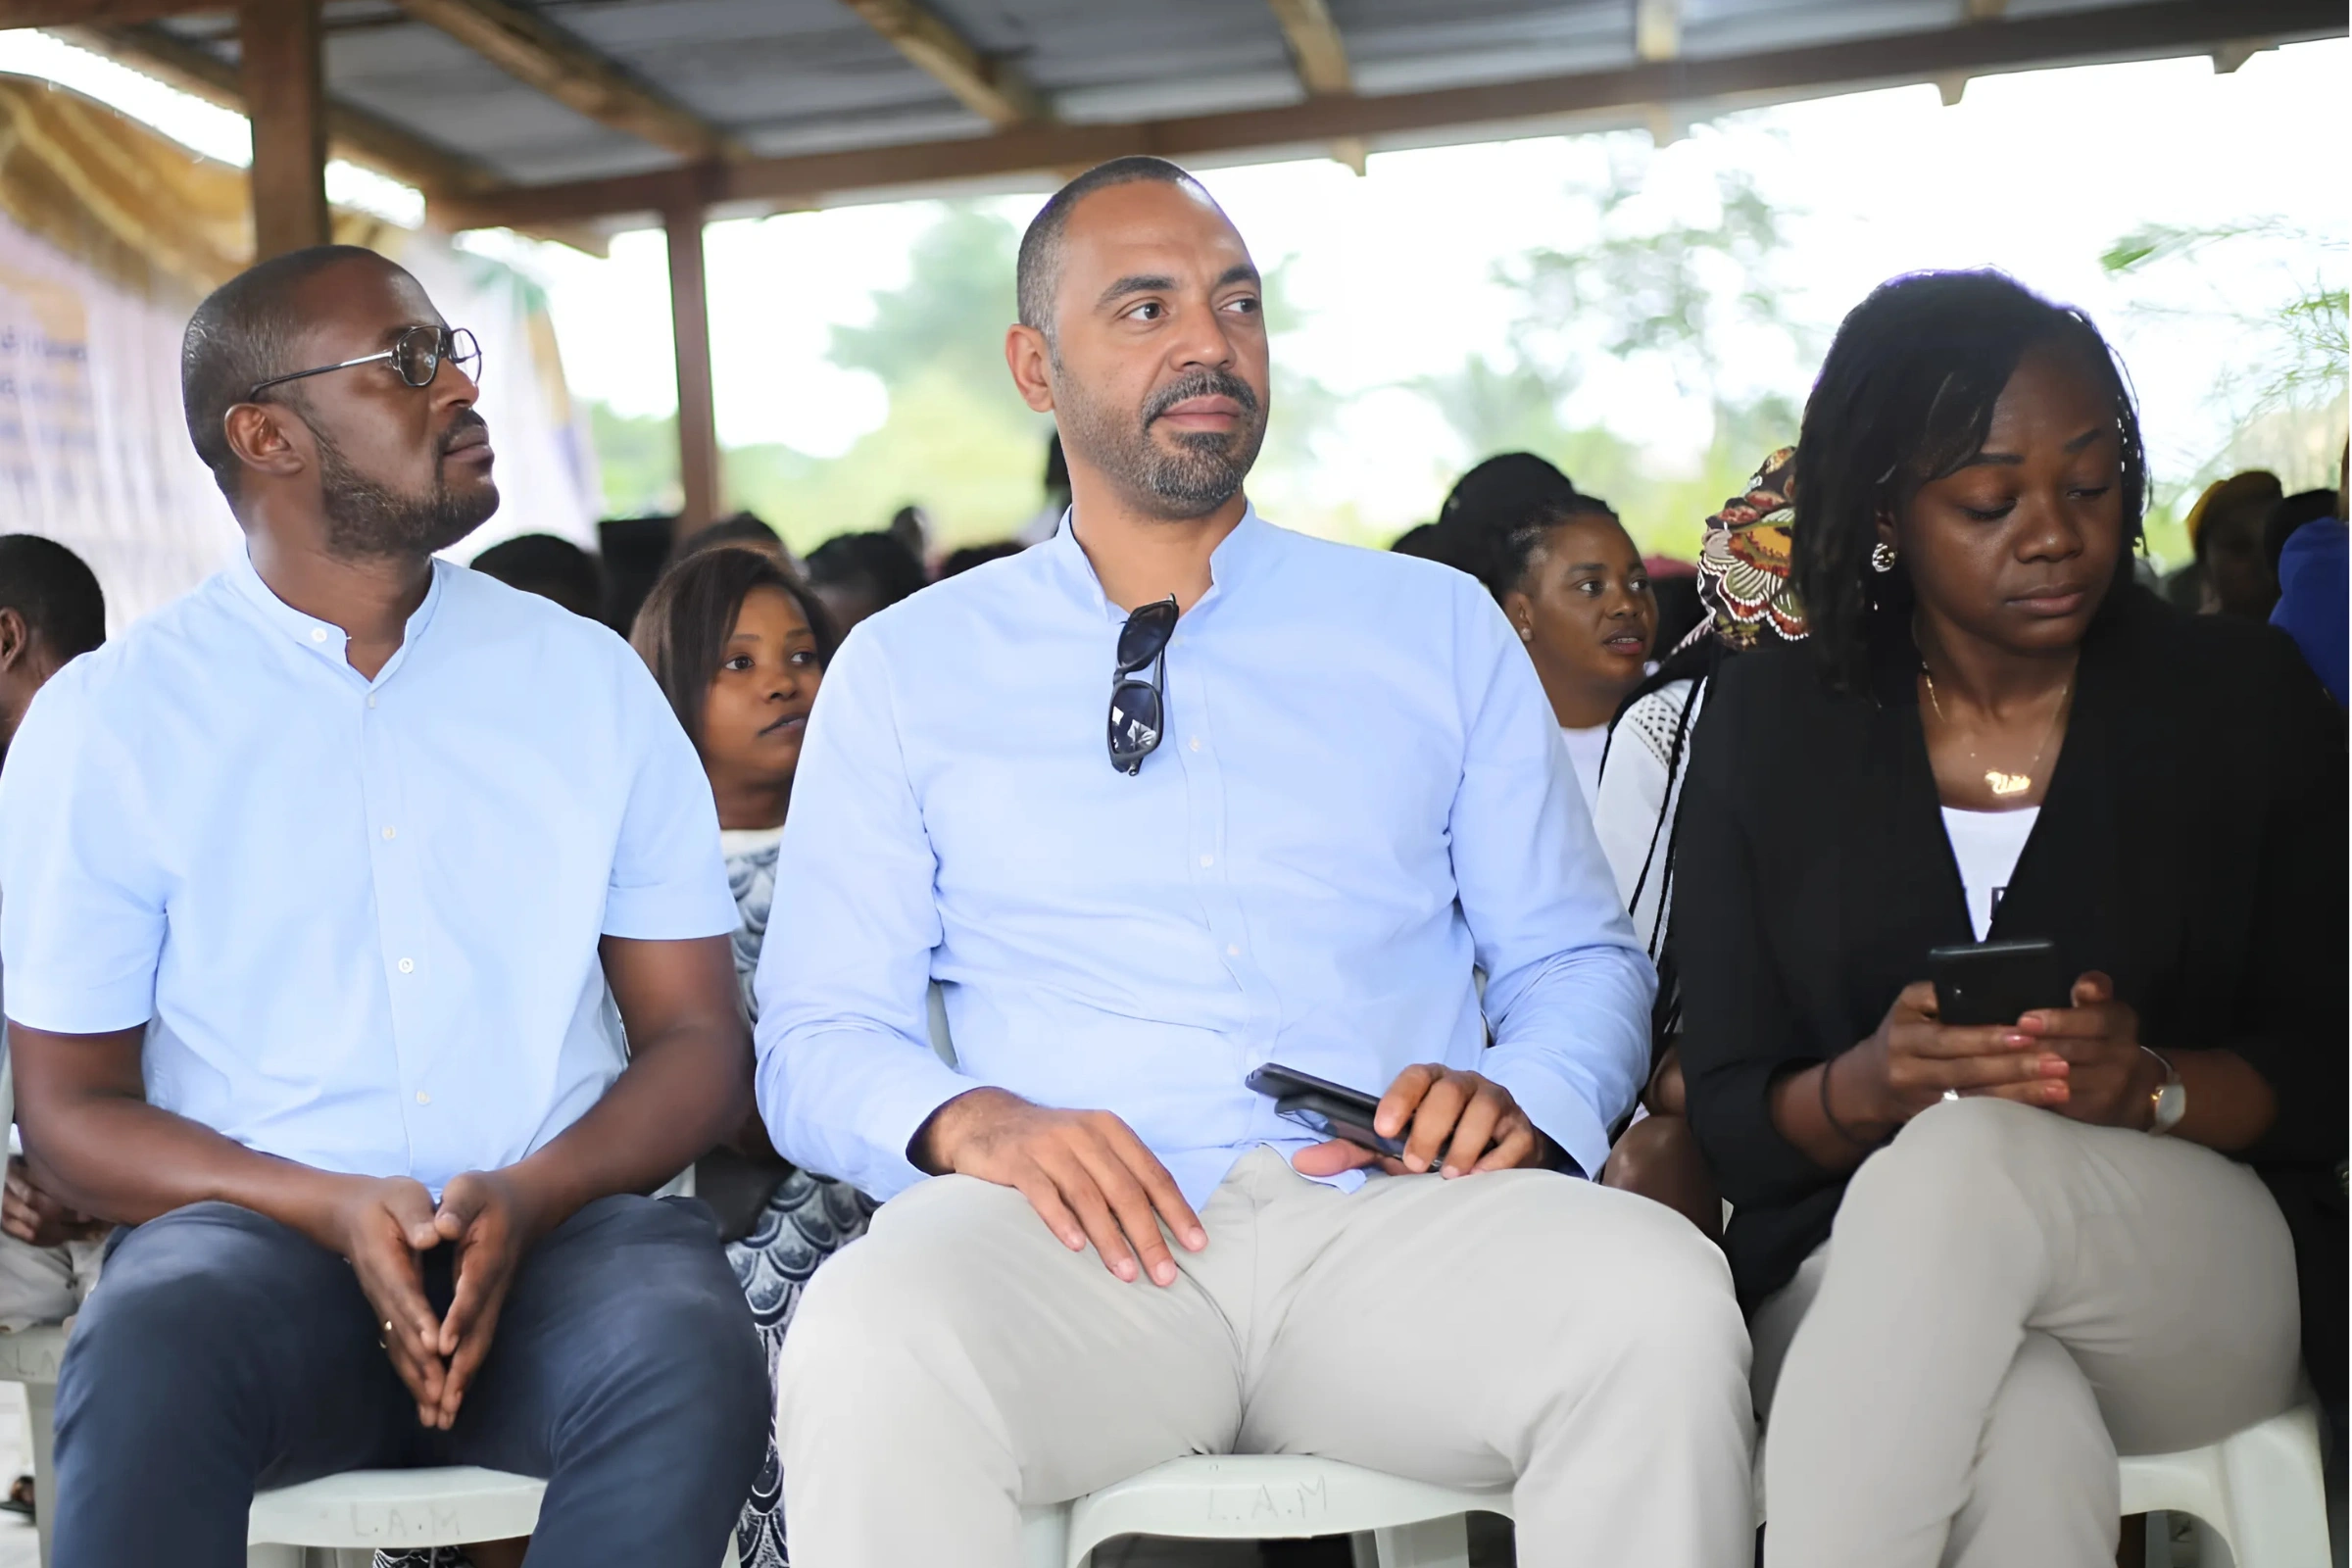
(1743, 585)
(739, 647)
(1573, 585)
(1979, 1262)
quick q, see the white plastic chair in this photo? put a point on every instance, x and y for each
(1396, 1522)
(32, 1357)
(361, 1512)
(364, 1511)
(2260, 1495)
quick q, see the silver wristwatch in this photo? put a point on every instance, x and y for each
(2169, 1101)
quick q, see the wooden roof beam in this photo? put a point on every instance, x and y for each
(1318, 52)
(101, 13)
(2145, 30)
(352, 134)
(1320, 57)
(992, 88)
(1657, 29)
(534, 50)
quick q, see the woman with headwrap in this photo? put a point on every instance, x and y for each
(1743, 584)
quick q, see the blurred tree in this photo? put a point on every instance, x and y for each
(1682, 295)
(637, 459)
(2277, 391)
(952, 312)
(1672, 291)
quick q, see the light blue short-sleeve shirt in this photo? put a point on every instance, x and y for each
(358, 919)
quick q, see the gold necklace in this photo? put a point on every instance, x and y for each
(2004, 786)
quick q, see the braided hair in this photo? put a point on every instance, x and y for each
(1905, 397)
(1501, 552)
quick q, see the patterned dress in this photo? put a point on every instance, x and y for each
(806, 1220)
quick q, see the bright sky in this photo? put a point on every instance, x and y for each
(2037, 174)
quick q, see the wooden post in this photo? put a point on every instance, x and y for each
(690, 328)
(285, 97)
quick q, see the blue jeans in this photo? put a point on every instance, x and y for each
(222, 1354)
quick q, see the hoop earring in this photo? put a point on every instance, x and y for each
(1881, 557)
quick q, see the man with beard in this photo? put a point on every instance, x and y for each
(1166, 799)
(317, 882)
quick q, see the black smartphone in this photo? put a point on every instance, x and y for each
(1323, 1107)
(1997, 982)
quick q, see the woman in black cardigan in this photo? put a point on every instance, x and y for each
(1981, 1261)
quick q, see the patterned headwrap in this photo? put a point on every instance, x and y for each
(1743, 562)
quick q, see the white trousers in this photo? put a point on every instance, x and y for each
(1515, 1328)
(2007, 1301)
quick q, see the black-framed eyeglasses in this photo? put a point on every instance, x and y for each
(417, 354)
(1138, 708)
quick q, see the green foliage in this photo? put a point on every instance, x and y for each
(1668, 290)
(975, 465)
(952, 312)
(2280, 396)
(637, 459)
(1671, 292)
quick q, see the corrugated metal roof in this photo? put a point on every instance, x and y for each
(787, 76)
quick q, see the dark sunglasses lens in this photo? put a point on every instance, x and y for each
(1144, 635)
(417, 355)
(1134, 724)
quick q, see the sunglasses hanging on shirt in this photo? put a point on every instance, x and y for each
(1138, 708)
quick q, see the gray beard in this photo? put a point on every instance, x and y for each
(1201, 474)
(365, 519)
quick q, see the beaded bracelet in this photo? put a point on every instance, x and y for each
(1830, 1116)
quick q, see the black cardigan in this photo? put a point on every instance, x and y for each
(2191, 844)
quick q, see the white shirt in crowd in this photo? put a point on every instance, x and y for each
(1635, 794)
(1986, 846)
(358, 919)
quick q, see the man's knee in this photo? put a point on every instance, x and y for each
(1636, 1282)
(190, 1307)
(670, 1323)
(893, 1320)
(1673, 1293)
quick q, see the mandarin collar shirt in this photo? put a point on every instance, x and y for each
(1359, 804)
(358, 919)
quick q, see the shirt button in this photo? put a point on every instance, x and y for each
(1194, 743)
(408, 966)
(1208, 859)
(391, 832)
(371, 699)
(1233, 950)
(317, 634)
(424, 1098)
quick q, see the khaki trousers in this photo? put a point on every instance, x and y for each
(1514, 1328)
(2007, 1301)
(46, 1284)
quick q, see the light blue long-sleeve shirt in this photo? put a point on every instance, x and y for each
(1360, 799)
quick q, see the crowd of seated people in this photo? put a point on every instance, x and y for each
(385, 938)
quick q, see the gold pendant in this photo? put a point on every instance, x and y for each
(2005, 785)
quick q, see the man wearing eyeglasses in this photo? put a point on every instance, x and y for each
(1169, 798)
(330, 890)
